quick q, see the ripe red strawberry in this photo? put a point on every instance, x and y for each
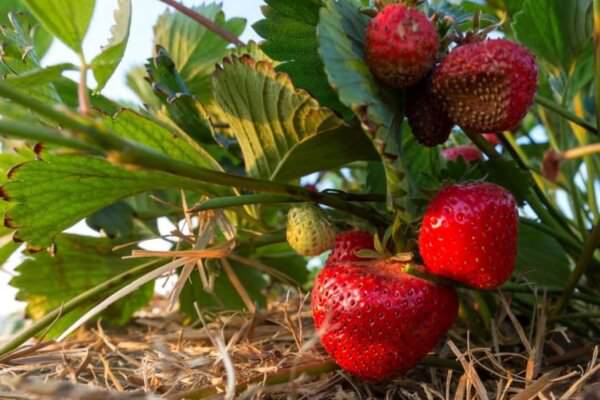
(427, 119)
(377, 321)
(468, 152)
(492, 138)
(469, 234)
(347, 244)
(401, 45)
(487, 86)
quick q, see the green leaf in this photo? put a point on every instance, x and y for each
(541, 259)
(282, 258)
(40, 37)
(513, 6)
(223, 295)
(557, 31)
(105, 63)
(17, 58)
(68, 20)
(422, 164)
(137, 82)
(40, 76)
(341, 34)
(194, 49)
(181, 106)
(289, 30)
(46, 281)
(50, 195)
(283, 132)
(135, 127)
(115, 221)
(67, 90)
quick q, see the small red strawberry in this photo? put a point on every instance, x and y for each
(401, 45)
(468, 152)
(427, 119)
(469, 234)
(487, 86)
(348, 243)
(492, 138)
(377, 321)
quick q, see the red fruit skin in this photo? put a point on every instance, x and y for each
(376, 321)
(487, 86)
(468, 152)
(347, 244)
(469, 234)
(401, 45)
(428, 121)
(492, 138)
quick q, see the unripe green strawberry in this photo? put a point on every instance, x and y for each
(309, 232)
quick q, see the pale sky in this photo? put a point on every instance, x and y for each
(145, 14)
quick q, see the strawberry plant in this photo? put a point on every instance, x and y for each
(446, 153)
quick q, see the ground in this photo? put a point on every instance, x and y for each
(276, 355)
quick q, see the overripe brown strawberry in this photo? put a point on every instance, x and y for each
(487, 86)
(377, 321)
(469, 234)
(467, 152)
(426, 116)
(401, 45)
(348, 243)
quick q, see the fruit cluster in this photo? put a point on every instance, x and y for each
(376, 318)
(480, 85)
(378, 315)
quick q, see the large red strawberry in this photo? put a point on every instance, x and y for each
(348, 243)
(377, 321)
(401, 45)
(467, 152)
(469, 234)
(427, 119)
(487, 86)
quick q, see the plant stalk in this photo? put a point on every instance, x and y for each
(42, 134)
(206, 22)
(134, 153)
(82, 91)
(552, 106)
(584, 261)
(249, 199)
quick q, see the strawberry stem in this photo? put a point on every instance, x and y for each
(552, 106)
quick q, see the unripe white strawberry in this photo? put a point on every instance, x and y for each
(309, 232)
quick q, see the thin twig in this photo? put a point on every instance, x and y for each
(206, 22)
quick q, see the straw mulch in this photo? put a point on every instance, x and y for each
(275, 355)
